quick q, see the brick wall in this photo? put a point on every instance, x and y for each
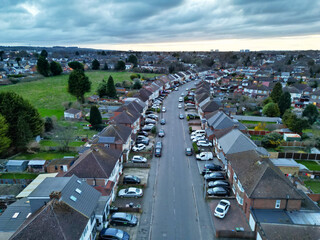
(271, 203)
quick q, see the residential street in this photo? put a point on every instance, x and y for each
(174, 206)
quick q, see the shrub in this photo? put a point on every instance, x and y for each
(158, 110)
(154, 130)
(195, 147)
(188, 118)
(190, 130)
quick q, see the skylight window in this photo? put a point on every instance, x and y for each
(78, 190)
(73, 198)
(78, 181)
(15, 215)
(28, 215)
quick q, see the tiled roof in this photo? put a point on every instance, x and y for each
(210, 106)
(120, 133)
(127, 117)
(72, 111)
(220, 120)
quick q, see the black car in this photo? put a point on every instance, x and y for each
(124, 219)
(210, 167)
(214, 176)
(157, 152)
(114, 234)
(142, 140)
(219, 183)
(162, 121)
(218, 191)
(158, 145)
(130, 179)
(188, 151)
(144, 133)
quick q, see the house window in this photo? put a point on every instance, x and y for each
(235, 177)
(233, 188)
(107, 145)
(278, 202)
(239, 199)
(228, 173)
(240, 186)
(55, 167)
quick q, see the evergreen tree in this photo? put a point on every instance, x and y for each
(4, 139)
(111, 89)
(102, 89)
(276, 92)
(105, 67)
(48, 124)
(44, 53)
(311, 112)
(284, 102)
(55, 68)
(78, 84)
(133, 59)
(95, 64)
(121, 66)
(43, 66)
(75, 65)
(271, 110)
(137, 85)
(95, 116)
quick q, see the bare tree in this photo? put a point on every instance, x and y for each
(64, 135)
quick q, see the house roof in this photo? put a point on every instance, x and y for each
(85, 201)
(260, 178)
(235, 141)
(36, 162)
(220, 120)
(127, 117)
(202, 96)
(120, 133)
(15, 163)
(98, 162)
(55, 220)
(143, 94)
(210, 106)
(290, 231)
(72, 111)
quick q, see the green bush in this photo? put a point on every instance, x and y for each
(158, 110)
(154, 130)
(190, 130)
(188, 118)
(195, 147)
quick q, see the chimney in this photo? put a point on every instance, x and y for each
(55, 195)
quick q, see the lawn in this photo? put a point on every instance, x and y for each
(311, 165)
(48, 94)
(314, 185)
(43, 155)
(50, 143)
(18, 175)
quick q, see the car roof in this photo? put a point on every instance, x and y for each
(132, 189)
(110, 231)
(119, 214)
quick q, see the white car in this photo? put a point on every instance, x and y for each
(179, 106)
(199, 138)
(187, 89)
(163, 109)
(182, 94)
(222, 208)
(139, 147)
(196, 136)
(130, 192)
(204, 143)
(138, 159)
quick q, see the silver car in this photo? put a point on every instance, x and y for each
(130, 192)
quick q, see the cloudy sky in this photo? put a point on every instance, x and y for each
(162, 24)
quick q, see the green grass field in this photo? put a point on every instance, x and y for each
(48, 94)
(311, 165)
(43, 155)
(255, 122)
(50, 143)
(314, 185)
(18, 175)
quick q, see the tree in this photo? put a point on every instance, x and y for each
(48, 124)
(260, 127)
(64, 135)
(111, 89)
(102, 89)
(120, 66)
(284, 102)
(276, 92)
(273, 139)
(294, 123)
(23, 119)
(137, 85)
(311, 112)
(43, 66)
(95, 116)
(134, 75)
(77, 53)
(133, 59)
(75, 65)
(44, 53)
(271, 110)
(55, 68)
(4, 139)
(78, 84)
(18, 60)
(95, 64)
(105, 67)
(1, 55)
(267, 100)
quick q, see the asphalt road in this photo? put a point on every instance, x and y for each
(173, 204)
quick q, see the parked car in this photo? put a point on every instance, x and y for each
(204, 156)
(199, 132)
(180, 99)
(188, 151)
(219, 183)
(138, 159)
(152, 116)
(214, 176)
(164, 109)
(161, 133)
(210, 167)
(123, 219)
(130, 192)
(114, 234)
(222, 208)
(143, 133)
(162, 121)
(218, 191)
(196, 139)
(191, 115)
(144, 140)
(182, 94)
(158, 145)
(204, 143)
(157, 152)
(147, 127)
(181, 116)
(179, 106)
(139, 147)
(131, 179)
(176, 89)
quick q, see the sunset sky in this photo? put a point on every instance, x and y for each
(162, 25)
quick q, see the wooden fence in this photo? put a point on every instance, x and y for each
(299, 156)
(136, 165)
(15, 181)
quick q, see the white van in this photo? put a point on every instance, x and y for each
(199, 132)
(180, 99)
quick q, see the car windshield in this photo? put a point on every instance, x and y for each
(220, 210)
(129, 217)
(119, 234)
(223, 203)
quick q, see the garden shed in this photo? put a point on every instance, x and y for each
(16, 165)
(291, 137)
(36, 165)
